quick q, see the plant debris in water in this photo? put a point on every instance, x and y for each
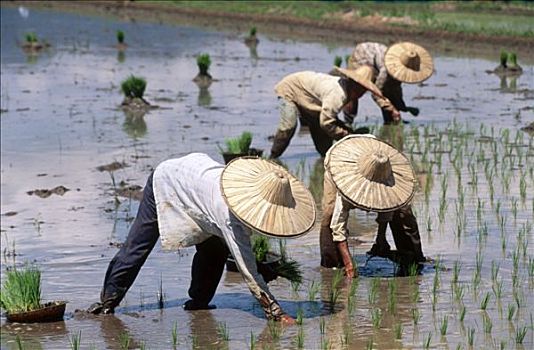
(44, 193)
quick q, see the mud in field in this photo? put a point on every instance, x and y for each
(61, 125)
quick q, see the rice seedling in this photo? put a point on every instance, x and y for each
(223, 331)
(75, 340)
(300, 316)
(124, 340)
(133, 87)
(494, 270)
(392, 296)
(345, 338)
(174, 334)
(373, 292)
(511, 312)
(444, 324)
(412, 273)
(470, 336)
(21, 290)
(203, 63)
(376, 317)
(497, 288)
(456, 268)
(31, 37)
(484, 301)
(299, 339)
(416, 316)
(530, 267)
(369, 345)
(313, 289)
(415, 296)
(522, 188)
(120, 36)
(398, 329)
(520, 334)
(322, 325)
(274, 330)
(142, 345)
(240, 145)
(427, 340)
(325, 344)
(335, 288)
(487, 324)
(463, 311)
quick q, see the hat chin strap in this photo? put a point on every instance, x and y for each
(377, 168)
(411, 59)
(275, 188)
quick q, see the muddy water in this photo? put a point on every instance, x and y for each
(60, 121)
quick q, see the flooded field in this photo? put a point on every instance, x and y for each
(61, 122)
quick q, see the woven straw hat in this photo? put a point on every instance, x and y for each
(267, 198)
(408, 62)
(363, 75)
(370, 173)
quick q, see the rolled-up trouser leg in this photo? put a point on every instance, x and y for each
(289, 114)
(142, 237)
(207, 269)
(406, 233)
(330, 257)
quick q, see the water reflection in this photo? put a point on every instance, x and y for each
(204, 96)
(134, 123)
(121, 56)
(508, 83)
(204, 330)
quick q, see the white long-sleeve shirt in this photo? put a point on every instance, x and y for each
(191, 208)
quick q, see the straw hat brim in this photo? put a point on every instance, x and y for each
(343, 167)
(366, 83)
(242, 192)
(395, 67)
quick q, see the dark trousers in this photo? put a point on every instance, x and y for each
(208, 262)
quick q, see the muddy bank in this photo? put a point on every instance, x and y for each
(336, 30)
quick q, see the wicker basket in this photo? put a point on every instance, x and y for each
(49, 312)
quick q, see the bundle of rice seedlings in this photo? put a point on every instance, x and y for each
(239, 144)
(290, 270)
(21, 290)
(203, 63)
(133, 87)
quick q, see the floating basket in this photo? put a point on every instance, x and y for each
(49, 312)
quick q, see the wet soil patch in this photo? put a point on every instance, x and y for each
(45, 193)
(112, 166)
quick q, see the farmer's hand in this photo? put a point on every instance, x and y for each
(413, 111)
(288, 320)
(395, 114)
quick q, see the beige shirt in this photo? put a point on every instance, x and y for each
(321, 93)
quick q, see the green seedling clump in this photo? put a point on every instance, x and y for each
(260, 247)
(512, 60)
(504, 58)
(120, 36)
(21, 290)
(337, 61)
(31, 37)
(203, 63)
(239, 144)
(133, 87)
(252, 31)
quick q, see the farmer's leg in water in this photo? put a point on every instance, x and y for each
(406, 233)
(381, 246)
(125, 266)
(206, 272)
(289, 114)
(330, 257)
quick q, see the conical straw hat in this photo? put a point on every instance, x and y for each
(267, 198)
(370, 173)
(408, 62)
(363, 75)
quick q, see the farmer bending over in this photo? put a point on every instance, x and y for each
(364, 172)
(317, 99)
(403, 62)
(196, 201)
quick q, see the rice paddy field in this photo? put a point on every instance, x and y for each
(61, 124)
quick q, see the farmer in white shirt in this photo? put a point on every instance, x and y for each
(194, 200)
